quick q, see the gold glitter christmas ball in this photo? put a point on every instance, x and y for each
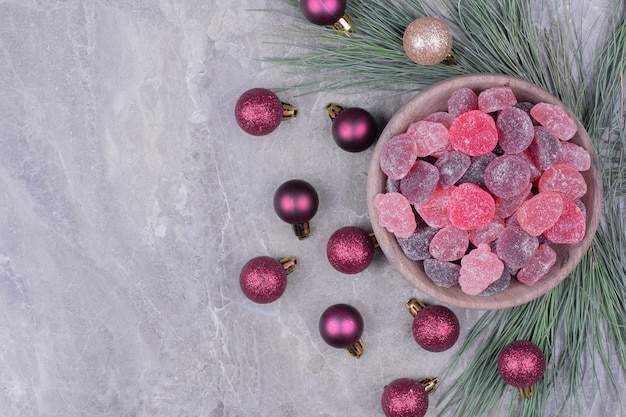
(427, 41)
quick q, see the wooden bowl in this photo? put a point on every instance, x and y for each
(435, 98)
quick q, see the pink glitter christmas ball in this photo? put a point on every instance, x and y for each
(258, 111)
(350, 250)
(263, 279)
(404, 397)
(521, 364)
(436, 328)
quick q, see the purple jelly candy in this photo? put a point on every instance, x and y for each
(418, 185)
(452, 166)
(507, 175)
(499, 285)
(461, 101)
(416, 246)
(515, 247)
(442, 274)
(475, 174)
(515, 130)
(506, 207)
(545, 148)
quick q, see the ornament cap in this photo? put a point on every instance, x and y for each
(527, 392)
(333, 109)
(357, 349)
(414, 306)
(451, 58)
(289, 263)
(374, 240)
(430, 384)
(302, 230)
(289, 111)
(344, 26)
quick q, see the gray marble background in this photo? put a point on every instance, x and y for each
(130, 201)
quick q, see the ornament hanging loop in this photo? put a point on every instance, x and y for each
(289, 263)
(357, 349)
(289, 111)
(414, 306)
(344, 25)
(429, 384)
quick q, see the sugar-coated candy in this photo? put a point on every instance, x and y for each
(449, 244)
(515, 247)
(535, 172)
(496, 98)
(429, 136)
(470, 207)
(416, 246)
(506, 207)
(564, 180)
(395, 214)
(507, 175)
(418, 185)
(571, 226)
(487, 233)
(440, 152)
(515, 130)
(442, 117)
(461, 101)
(398, 155)
(434, 211)
(452, 165)
(474, 133)
(538, 266)
(575, 156)
(476, 171)
(392, 186)
(555, 119)
(498, 285)
(540, 212)
(479, 269)
(545, 148)
(442, 274)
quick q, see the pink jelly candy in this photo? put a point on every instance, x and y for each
(395, 214)
(507, 175)
(429, 136)
(555, 119)
(452, 165)
(506, 207)
(571, 226)
(564, 180)
(515, 247)
(449, 244)
(496, 98)
(487, 233)
(474, 133)
(545, 148)
(538, 266)
(479, 269)
(416, 246)
(442, 117)
(540, 213)
(434, 211)
(470, 207)
(418, 185)
(575, 156)
(461, 101)
(442, 274)
(515, 130)
(398, 155)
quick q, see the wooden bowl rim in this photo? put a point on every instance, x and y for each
(568, 256)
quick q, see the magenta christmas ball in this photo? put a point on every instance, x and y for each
(258, 111)
(350, 250)
(354, 129)
(263, 279)
(296, 201)
(341, 326)
(404, 397)
(436, 328)
(521, 364)
(323, 12)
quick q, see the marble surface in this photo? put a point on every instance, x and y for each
(130, 201)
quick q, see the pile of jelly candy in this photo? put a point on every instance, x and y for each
(480, 193)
